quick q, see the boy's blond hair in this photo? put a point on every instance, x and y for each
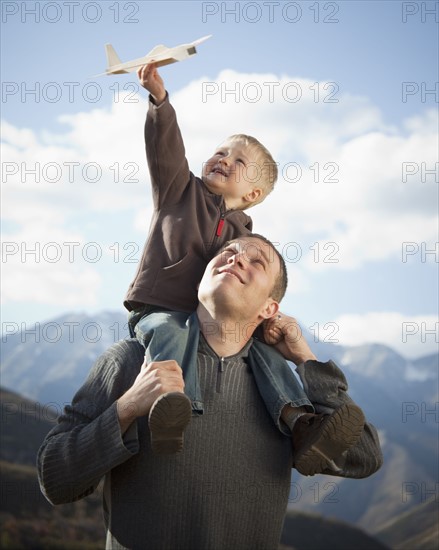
(267, 167)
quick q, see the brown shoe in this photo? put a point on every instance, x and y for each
(319, 439)
(168, 418)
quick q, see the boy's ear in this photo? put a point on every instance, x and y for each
(253, 195)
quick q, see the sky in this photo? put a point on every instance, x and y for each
(344, 94)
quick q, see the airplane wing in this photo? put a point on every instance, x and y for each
(158, 50)
(161, 55)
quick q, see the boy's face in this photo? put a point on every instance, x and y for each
(234, 171)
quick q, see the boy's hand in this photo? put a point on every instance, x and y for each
(150, 79)
(285, 334)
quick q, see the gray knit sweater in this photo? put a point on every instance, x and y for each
(227, 489)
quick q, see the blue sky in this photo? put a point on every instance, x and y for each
(344, 94)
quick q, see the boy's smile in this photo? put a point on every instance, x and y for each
(219, 170)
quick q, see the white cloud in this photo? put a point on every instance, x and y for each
(45, 264)
(367, 210)
(142, 220)
(356, 194)
(410, 335)
(54, 285)
(98, 164)
(53, 182)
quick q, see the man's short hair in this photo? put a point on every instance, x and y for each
(281, 282)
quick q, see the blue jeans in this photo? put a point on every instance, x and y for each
(174, 335)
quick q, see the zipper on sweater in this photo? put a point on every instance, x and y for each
(219, 374)
(219, 227)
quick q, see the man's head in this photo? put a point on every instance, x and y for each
(242, 170)
(246, 280)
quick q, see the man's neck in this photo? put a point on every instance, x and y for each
(226, 336)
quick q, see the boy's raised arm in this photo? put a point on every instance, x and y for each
(168, 167)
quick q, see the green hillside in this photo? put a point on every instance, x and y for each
(311, 532)
(24, 426)
(423, 520)
(28, 521)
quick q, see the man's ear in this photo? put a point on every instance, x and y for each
(270, 309)
(253, 195)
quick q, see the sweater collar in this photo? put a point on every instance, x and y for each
(205, 349)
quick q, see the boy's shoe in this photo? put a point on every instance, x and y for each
(319, 439)
(168, 418)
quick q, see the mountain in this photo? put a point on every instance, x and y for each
(423, 521)
(311, 532)
(405, 410)
(49, 362)
(24, 426)
(27, 520)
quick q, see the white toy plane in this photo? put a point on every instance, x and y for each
(161, 55)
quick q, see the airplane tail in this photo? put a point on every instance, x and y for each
(112, 58)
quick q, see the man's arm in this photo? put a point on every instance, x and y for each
(326, 388)
(98, 432)
(168, 167)
(87, 442)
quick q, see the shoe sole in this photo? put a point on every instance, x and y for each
(168, 418)
(339, 432)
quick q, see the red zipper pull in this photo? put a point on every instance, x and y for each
(219, 229)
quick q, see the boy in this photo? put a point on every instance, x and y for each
(192, 220)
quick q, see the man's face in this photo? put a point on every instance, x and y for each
(240, 279)
(233, 171)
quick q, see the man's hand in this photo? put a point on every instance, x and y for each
(153, 380)
(285, 334)
(150, 79)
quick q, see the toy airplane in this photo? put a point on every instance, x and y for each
(161, 55)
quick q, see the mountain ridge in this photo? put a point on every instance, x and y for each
(27, 520)
(404, 410)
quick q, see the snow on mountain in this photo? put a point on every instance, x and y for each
(50, 360)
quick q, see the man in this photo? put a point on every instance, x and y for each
(229, 487)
